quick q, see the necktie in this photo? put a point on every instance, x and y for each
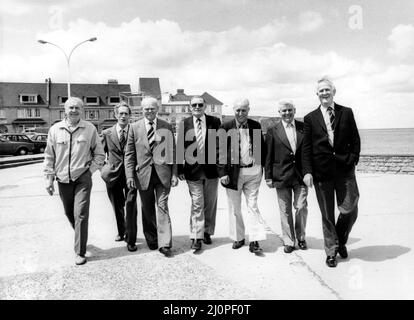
(151, 140)
(199, 136)
(331, 117)
(122, 139)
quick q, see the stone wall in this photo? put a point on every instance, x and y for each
(403, 164)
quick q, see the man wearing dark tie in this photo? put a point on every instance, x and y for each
(113, 173)
(150, 168)
(199, 172)
(331, 147)
(283, 170)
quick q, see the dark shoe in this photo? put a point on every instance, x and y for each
(302, 245)
(119, 238)
(80, 260)
(343, 252)
(166, 251)
(196, 244)
(207, 238)
(132, 247)
(238, 244)
(331, 261)
(255, 248)
(288, 249)
(153, 246)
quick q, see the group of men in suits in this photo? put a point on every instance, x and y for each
(145, 156)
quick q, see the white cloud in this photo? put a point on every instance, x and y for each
(14, 8)
(310, 21)
(402, 42)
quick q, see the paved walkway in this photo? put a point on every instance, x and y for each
(37, 259)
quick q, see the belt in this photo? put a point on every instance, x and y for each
(247, 166)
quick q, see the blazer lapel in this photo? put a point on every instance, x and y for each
(320, 119)
(282, 135)
(338, 114)
(299, 135)
(142, 131)
(114, 137)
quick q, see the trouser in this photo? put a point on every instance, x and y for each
(256, 229)
(156, 220)
(347, 196)
(121, 201)
(75, 197)
(203, 194)
(292, 231)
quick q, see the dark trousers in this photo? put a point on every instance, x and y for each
(156, 222)
(75, 197)
(347, 195)
(121, 199)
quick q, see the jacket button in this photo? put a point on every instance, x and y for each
(293, 161)
(334, 153)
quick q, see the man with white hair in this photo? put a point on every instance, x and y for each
(283, 170)
(240, 171)
(331, 147)
(73, 153)
(150, 168)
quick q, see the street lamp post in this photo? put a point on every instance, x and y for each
(67, 56)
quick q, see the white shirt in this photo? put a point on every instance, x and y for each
(148, 126)
(291, 134)
(119, 129)
(203, 126)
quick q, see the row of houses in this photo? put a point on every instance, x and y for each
(37, 106)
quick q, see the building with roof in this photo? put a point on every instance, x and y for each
(37, 106)
(176, 107)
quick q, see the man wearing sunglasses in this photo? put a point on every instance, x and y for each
(200, 173)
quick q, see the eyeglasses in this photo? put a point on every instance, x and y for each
(200, 105)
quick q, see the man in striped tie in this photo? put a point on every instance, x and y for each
(149, 166)
(331, 147)
(123, 199)
(200, 173)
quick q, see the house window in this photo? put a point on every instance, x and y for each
(111, 114)
(92, 114)
(213, 108)
(168, 109)
(2, 113)
(28, 113)
(92, 100)
(62, 100)
(28, 98)
(113, 100)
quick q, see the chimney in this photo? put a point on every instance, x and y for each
(112, 81)
(181, 91)
(48, 85)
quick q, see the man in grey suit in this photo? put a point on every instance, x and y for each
(113, 173)
(150, 168)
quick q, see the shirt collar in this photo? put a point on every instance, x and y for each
(64, 124)
(285, 124)
(153, 121)
(325, 109)
(238, 124)
(203, 119)
(118, 128)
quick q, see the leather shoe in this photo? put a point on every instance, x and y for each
(207, 238)
(166, 251)
(196, 244)
(80, 260)
(238, 244)
(302, 245)
(288, 249)
(132, 247)
(153, 246)
(119, 238)
(343, 252)
(331, 261)
(254, 247)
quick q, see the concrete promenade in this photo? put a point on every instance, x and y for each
(37, 258)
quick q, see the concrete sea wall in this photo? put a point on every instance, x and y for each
(379, 163)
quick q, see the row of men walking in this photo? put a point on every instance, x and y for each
(322, 151)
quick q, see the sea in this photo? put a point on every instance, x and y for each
(387, 141)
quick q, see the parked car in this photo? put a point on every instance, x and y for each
(40, 140)
(15, 143)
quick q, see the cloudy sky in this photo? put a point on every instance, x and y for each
(265, 50)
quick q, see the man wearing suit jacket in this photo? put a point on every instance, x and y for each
(240, 171)
(283, 170)
(113, 173)
(331, 147)
(149, 165)
(200, 172)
